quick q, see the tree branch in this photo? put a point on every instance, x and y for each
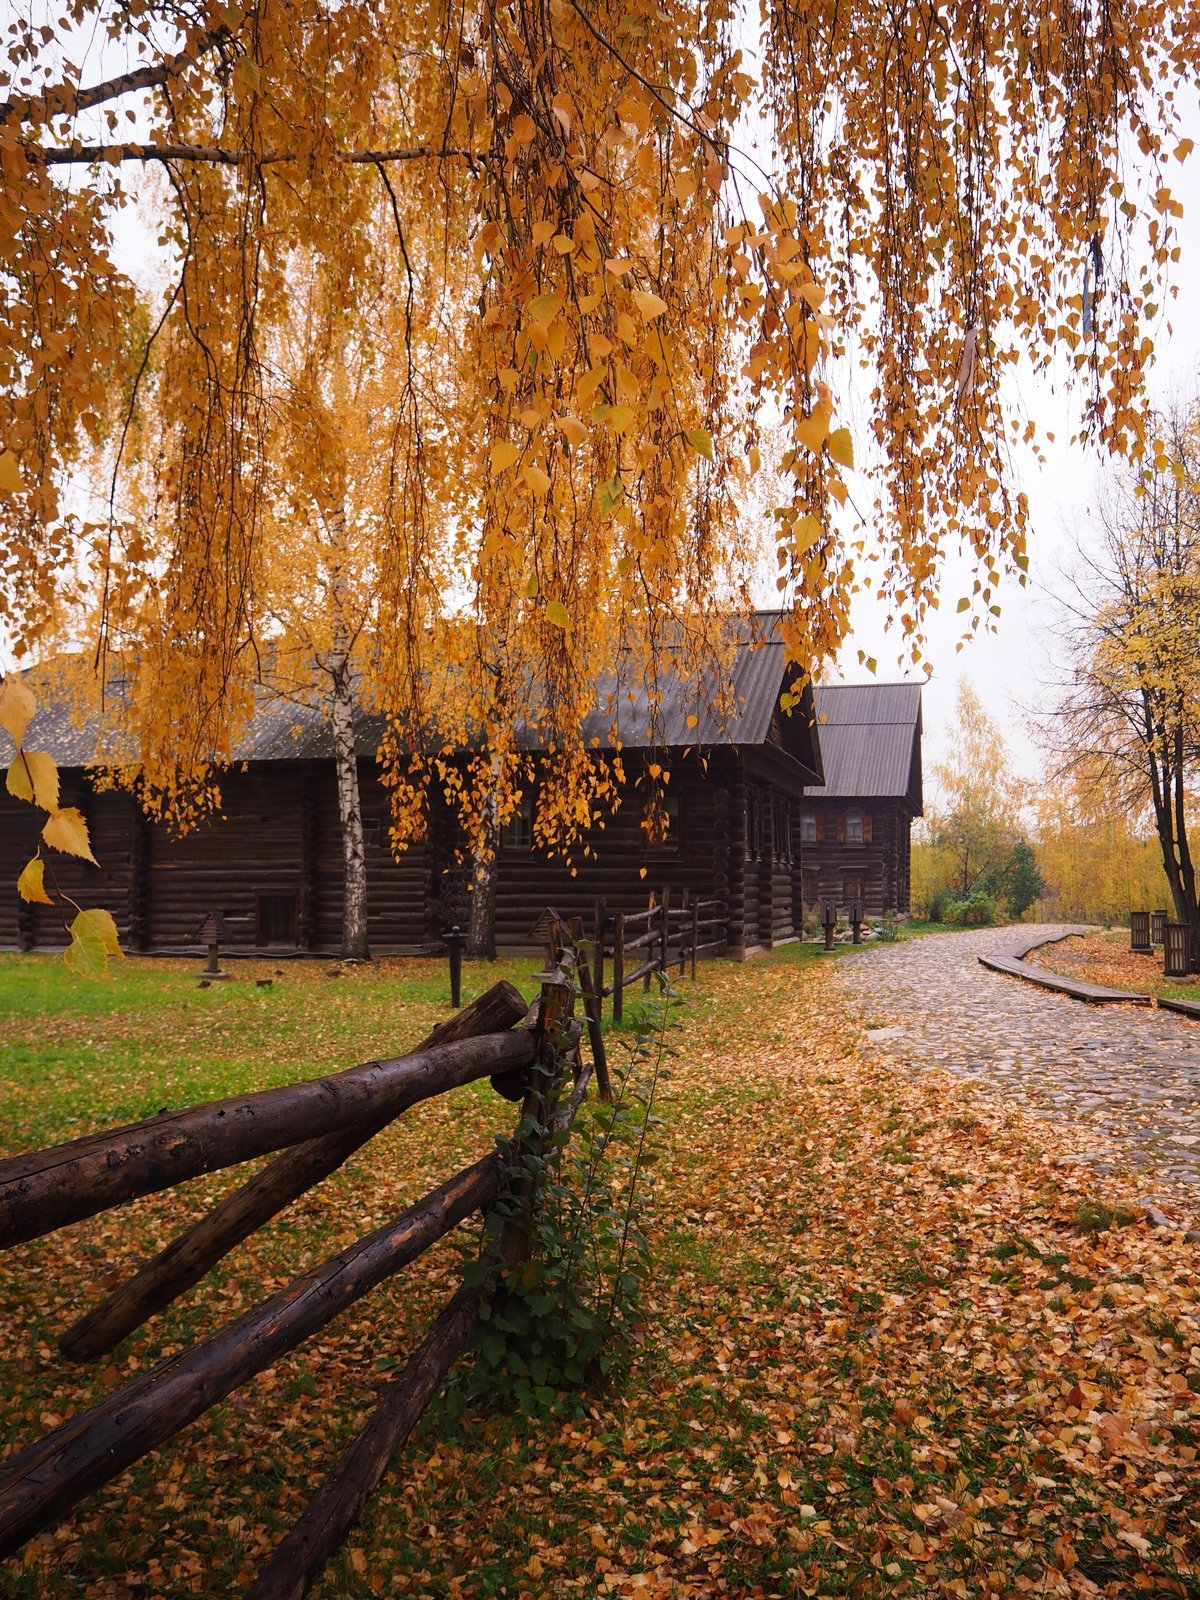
(214, 155)
(62, 100)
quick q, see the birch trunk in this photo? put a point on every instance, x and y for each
(355, 944)
(481, 926)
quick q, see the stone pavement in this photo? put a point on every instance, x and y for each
(1122, 1083)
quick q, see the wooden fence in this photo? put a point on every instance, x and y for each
(519, 1048)
(630, 947)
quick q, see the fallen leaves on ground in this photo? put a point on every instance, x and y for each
(895, 1350)
(1106, 958)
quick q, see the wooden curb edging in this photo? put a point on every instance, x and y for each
(1012, 962)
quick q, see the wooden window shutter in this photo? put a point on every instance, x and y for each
(841, 827)
(820, 829)
(866, 827)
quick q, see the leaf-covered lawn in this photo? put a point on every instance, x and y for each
(1106, 958)
(896, 1350)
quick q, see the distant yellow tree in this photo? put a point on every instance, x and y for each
(1098, 862)
(1129, 720)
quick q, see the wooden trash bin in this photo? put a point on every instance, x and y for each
(1158, 927)
(1177, 950)
(1139, 933)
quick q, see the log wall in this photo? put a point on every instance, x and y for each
(270, 866)
(877, 870)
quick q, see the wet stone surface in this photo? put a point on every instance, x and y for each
(1120, 1082)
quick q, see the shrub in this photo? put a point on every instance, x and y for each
(978, 910)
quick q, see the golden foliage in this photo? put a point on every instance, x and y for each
(570, 297)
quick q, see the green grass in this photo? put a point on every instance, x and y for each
(79, 1054)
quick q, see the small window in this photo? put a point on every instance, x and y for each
(275, 920)
(517, 832)
(854, 827)
(372, 831)
(783, 831)
(753, 825)
(808, 828)
(660, 823)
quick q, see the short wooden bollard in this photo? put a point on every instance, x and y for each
(1139, 933)
(211, 930)
(857, 918)
(829, 920)
(454, 941)
(1177, 950)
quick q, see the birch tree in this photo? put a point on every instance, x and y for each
(945, 192)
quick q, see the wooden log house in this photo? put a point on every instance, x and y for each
(269, 866)
(856, 826)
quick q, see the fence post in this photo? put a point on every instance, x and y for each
(664, 960)
(618, 984)
(600, 927)
(592, 1002)
(557, 1003)
(695, 934)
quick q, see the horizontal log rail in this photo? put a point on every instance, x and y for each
(47, 1189)
(196, 1251)
(41, 1482)
(43, 1190)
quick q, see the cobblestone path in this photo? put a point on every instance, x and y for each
(1122, 1076)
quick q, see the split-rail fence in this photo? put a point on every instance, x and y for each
(520, 1048)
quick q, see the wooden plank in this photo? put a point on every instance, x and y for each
(1094, 993)
(1185, 1008)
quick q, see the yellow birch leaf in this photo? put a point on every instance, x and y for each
(30, 885)
(10, 473)
(609, 495)
(33, 776)
(841, 447)
(556, 340)
(537, 480)
(17, 706)
(701, 442)
(556, 614)
(812, 432)
(805, 533)
(503, 455)
(523, 129)
(543, 308)
(571, 427)
(963, 605)
(650, 305)
(67, 831)
(93, 939)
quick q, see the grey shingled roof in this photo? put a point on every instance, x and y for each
(870, 742)
(738, 712)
